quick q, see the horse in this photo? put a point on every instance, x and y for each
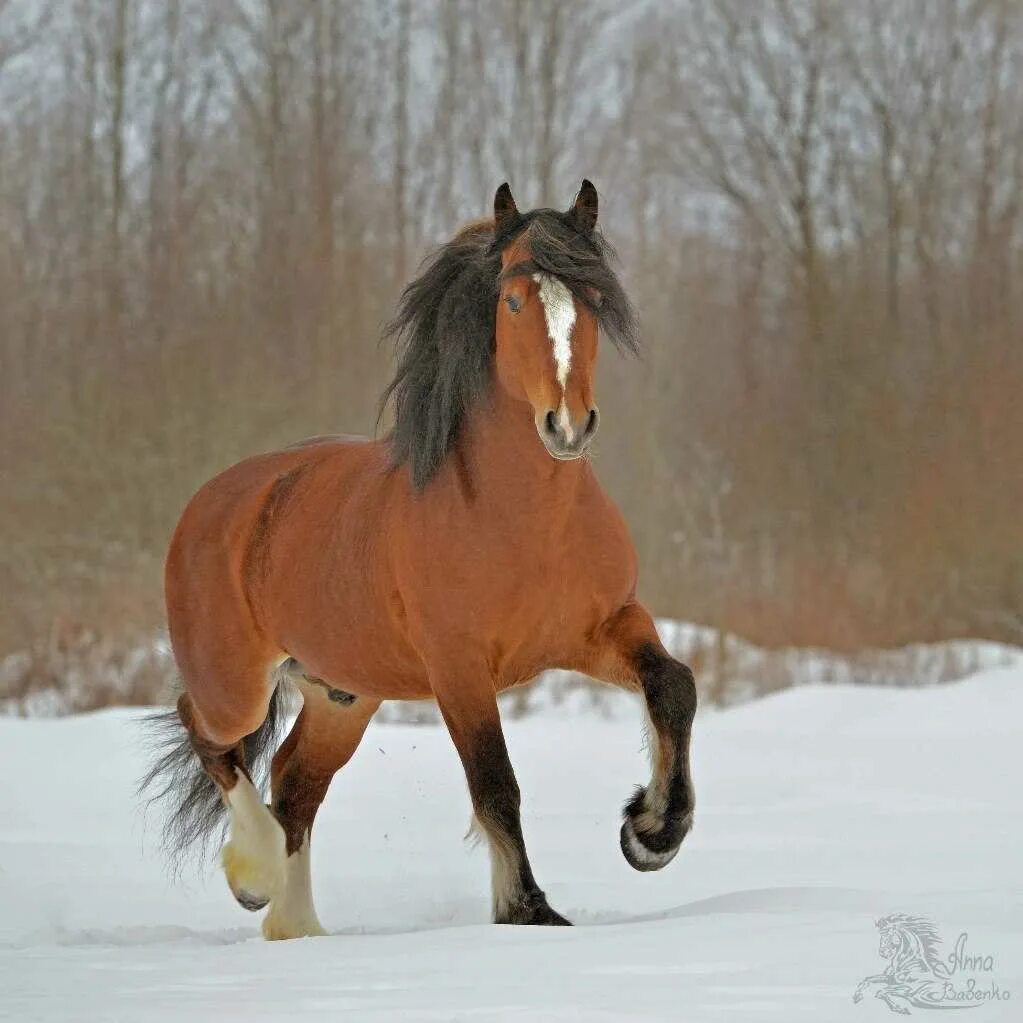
(462, 553)
(915, 975)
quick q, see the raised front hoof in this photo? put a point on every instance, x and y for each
(533, 911)
(648, 851)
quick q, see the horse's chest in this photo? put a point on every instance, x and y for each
(525, 594)
(541, 605)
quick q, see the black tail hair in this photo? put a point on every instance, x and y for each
(197, 812)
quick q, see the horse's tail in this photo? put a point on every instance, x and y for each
(196, 812)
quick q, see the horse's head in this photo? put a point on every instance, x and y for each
(555, 290)
(513, 303)
(908, 940)
(891, 939)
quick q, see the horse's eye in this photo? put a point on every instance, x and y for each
(513, 303)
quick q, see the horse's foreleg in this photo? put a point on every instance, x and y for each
(659, 815)
(323, 739)
(471, 714)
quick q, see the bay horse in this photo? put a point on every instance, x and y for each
(465, 552)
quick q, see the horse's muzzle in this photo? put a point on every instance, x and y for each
(564, 437)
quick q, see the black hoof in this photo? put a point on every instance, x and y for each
(250, 901)
(547, 917)
(533, 911)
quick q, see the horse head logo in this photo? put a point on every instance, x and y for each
(915, 975)
(909, 940)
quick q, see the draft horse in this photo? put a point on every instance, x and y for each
(465, 552)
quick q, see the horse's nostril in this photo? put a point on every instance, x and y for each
(591, 422)
(549, 421)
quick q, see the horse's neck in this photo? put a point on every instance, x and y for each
(504, 463)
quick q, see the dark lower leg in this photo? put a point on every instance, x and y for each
(297, 787)
(659, 816)
(517, 898)
(475, 725)
(627, 652)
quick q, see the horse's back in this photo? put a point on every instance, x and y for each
(232, 501)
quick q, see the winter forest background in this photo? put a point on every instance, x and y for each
(208, 209)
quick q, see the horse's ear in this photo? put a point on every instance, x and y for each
(505, 210)
(584, 209)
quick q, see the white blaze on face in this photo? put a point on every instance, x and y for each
(559, 309)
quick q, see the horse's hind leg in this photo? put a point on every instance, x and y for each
(253, 858)
(469, 707)
(325, 735)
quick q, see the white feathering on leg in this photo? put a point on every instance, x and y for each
(292, 913)
(254, 857)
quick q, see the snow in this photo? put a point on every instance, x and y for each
(819, 809)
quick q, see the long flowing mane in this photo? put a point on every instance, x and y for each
(444, 327)
(923, 930)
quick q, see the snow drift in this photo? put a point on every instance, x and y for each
(819, 810)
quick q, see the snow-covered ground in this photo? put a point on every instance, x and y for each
(819, 810)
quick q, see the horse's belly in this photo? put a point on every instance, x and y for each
(361, 659)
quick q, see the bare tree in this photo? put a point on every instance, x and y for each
(207, 211)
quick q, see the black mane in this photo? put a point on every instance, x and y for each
(444, 327)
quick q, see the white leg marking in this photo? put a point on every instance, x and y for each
(504, 871)
(559, 308)
(642, 854)
(254, 857)
(292, 914)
